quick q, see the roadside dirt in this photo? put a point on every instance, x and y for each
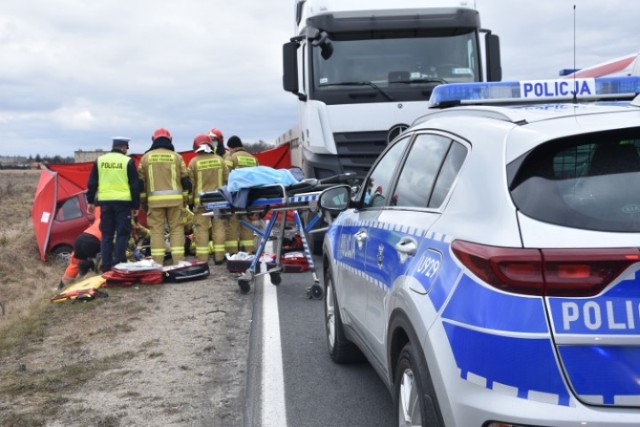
(147, 355)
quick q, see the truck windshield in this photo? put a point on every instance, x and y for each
(400, 68)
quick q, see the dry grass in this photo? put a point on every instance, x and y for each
(26, 315)
(24, 279)
(26, 283)
(117, 361)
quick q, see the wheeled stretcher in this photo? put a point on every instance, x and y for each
(279, 201)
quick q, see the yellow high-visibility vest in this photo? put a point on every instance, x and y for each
(113, 181)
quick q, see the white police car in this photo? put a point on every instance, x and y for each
(489, 269)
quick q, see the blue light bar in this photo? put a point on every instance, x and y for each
(534, 91)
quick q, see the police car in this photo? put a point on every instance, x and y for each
(489, 266)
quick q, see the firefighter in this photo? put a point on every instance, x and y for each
(217, 140)
(165, 190)
(85, 248)
(207, 172)
(239, 237)
(114, 185)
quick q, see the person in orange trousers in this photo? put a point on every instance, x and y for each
(85, 247)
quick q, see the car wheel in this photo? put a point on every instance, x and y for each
(340, 348)
(62, 254)
(416, 403)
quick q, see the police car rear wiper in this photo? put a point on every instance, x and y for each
(360, 83)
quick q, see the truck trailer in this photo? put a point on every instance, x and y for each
(362, 71)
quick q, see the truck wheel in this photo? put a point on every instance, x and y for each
(340, 348)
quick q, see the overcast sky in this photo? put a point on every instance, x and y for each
(75, 73)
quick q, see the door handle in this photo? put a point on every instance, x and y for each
(361, 237)
(406, 247)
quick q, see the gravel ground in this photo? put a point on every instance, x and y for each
(146, 355)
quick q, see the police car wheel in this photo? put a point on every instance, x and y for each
(340, 348)
(415, 399)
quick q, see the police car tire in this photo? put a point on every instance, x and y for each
(342, 350)
(410, 361)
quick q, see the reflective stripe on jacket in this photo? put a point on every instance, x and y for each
(161, 171)
(207, 172)
(242, 159)
(113, 181)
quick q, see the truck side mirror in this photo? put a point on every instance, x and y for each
(290, 67)
(494, 68)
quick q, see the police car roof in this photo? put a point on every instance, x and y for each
(531, 101)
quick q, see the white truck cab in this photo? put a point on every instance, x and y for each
(364, 70)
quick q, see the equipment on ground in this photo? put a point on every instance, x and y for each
(84, 290)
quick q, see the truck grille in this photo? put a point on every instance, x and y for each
(358, 150)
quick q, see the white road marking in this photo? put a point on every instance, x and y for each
(273, 409)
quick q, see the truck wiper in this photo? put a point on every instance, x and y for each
(360, 83)
(423, 80)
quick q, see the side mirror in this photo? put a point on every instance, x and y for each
(290, 67)
(494, 67)
(335, 199)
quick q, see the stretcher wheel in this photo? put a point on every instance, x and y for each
(245, 286)
(275, 278)
(315, 292)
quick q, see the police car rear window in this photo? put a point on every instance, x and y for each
(587, 181)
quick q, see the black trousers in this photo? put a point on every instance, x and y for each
(86, 246)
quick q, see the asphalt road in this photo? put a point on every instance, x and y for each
(317, 392)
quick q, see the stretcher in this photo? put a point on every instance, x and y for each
(281, 202)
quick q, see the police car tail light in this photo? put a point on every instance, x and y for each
(545, 272)
(584, 272)
(509, 269)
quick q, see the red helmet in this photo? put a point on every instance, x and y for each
(200, 140)
(161, 133)
(217, 134)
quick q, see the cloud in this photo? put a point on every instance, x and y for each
(77, 72)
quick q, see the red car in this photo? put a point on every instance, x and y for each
(71, 218)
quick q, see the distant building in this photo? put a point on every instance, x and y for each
(81, 156)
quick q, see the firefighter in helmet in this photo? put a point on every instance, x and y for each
(207, 172)
(166, 188)
(238, 237)
(217, 140)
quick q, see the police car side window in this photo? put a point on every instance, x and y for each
(418, 176)
(450, 168)
(379, 181)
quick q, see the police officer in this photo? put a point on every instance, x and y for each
(207, 172)
(165, 189)
(238, 237)
(114, 185)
